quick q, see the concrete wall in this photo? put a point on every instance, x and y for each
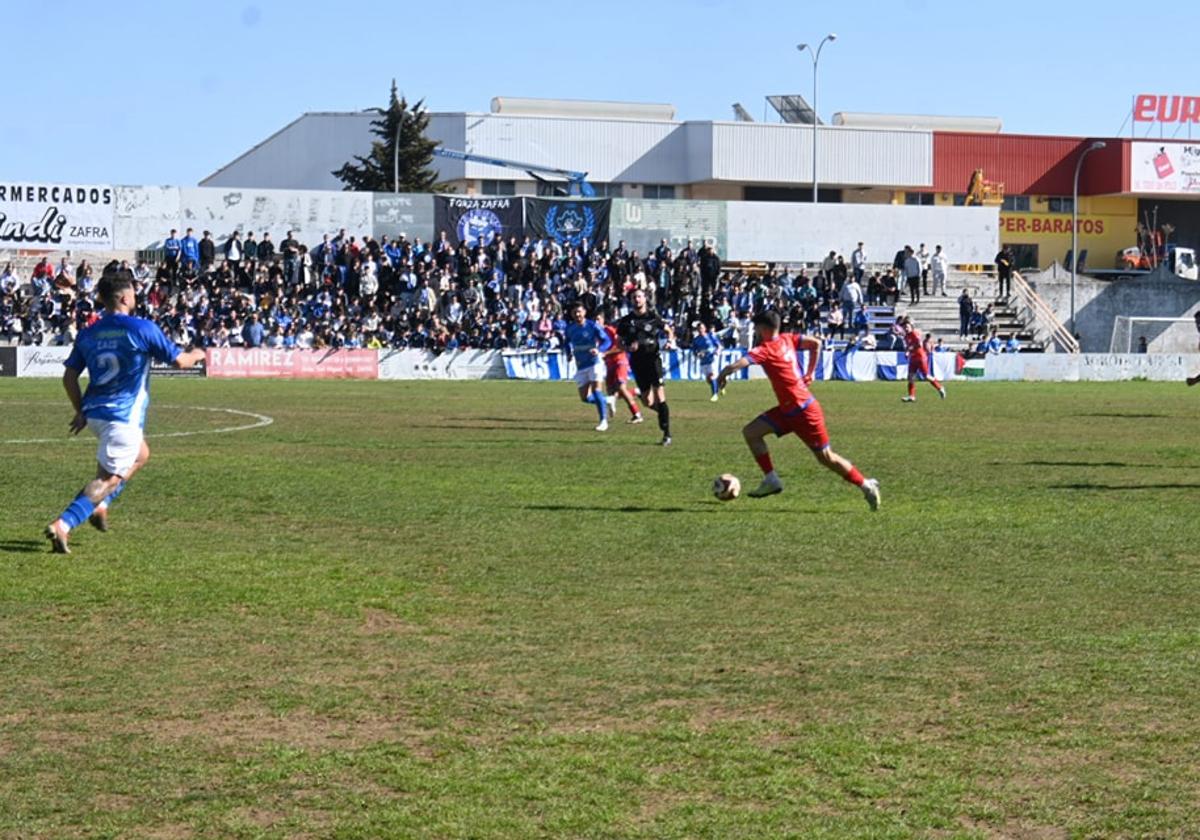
(806, 232)
(1099, 302)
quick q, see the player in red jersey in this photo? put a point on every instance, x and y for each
(918, 361)
(616, 374)
(798, 411)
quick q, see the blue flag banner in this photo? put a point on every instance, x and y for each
(684, 365)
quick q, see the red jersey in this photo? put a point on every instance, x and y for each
(614, 358)
(778, 360)
(913, 342)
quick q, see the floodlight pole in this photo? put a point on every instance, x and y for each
(816, 58)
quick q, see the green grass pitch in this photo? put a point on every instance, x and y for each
(453, 610)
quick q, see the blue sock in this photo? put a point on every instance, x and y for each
(112, 497)
(601, 403)
(78, 511)
(714, 387)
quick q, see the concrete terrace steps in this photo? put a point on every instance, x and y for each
(938, 316)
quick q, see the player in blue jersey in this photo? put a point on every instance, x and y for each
(589, 342)
(116, 353)
(705, 345)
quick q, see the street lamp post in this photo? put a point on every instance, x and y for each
(1096, 145)
(816, 57)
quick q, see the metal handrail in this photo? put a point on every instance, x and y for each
(1044, 314)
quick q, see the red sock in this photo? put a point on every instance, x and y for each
(912, 388)
(764, 462)
(855, 477)
(633, 409)
(937, 385)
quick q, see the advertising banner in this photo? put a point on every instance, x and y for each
(454, 364)
(568, 220)
(267, 363)
(54, 216)
(43, 362)
(8, 361)
(1164, 168)
(472, 220)
(644, 223)
(407, 214)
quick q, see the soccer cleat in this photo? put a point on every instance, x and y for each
(99, 519)
(612, 404)
(908, 399)
(942, 392)
(57, 533)
(769, 487)
(870, 489)
(715, 397)
(603, 427)
(666, 441)
(635, 419)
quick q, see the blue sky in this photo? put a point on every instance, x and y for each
(150, 93)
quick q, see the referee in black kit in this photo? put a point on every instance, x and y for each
(639, 332)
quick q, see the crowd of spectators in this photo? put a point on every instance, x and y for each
(354, 291)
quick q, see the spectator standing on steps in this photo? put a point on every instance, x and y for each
(1004, 269)
(290, 249)
(938, 267)
(852, 299)
(858, 262)
(208, 252)
(966, 307)
(923, 259)
(912, 274)
(172, 246)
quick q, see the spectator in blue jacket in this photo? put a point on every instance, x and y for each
(172, 246)
(190, 251)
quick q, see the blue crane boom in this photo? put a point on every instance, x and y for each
(577, 183)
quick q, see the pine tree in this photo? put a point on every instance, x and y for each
(374, 173)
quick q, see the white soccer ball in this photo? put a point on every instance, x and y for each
(726, 487)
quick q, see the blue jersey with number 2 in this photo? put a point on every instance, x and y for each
(116, 351)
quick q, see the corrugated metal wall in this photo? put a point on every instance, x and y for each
(1028, 165)
(851, 157)
(608, 150)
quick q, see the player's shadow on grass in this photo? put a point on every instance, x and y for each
(1125, 414)
(26, 546)
(1123, 488)
(709, 507)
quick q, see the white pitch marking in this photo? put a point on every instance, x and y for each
(260, 421)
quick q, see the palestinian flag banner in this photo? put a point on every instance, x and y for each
(970, 368)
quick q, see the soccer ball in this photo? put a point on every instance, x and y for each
(726, 487)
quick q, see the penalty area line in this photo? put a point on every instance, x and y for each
(260, 421)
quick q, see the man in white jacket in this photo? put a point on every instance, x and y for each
(939, 266)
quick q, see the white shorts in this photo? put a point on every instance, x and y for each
(585, 376)
(710, 369)
(120, 444)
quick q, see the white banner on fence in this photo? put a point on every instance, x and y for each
(310, 213)
(1091, 367)
(41, 361)
(453, 364)
(53, 216)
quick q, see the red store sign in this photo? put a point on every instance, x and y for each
(1166, 108)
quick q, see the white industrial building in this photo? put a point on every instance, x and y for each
(628, 150)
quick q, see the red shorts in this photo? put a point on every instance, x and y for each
(918, 363)
(805, 421)
(616, 375)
